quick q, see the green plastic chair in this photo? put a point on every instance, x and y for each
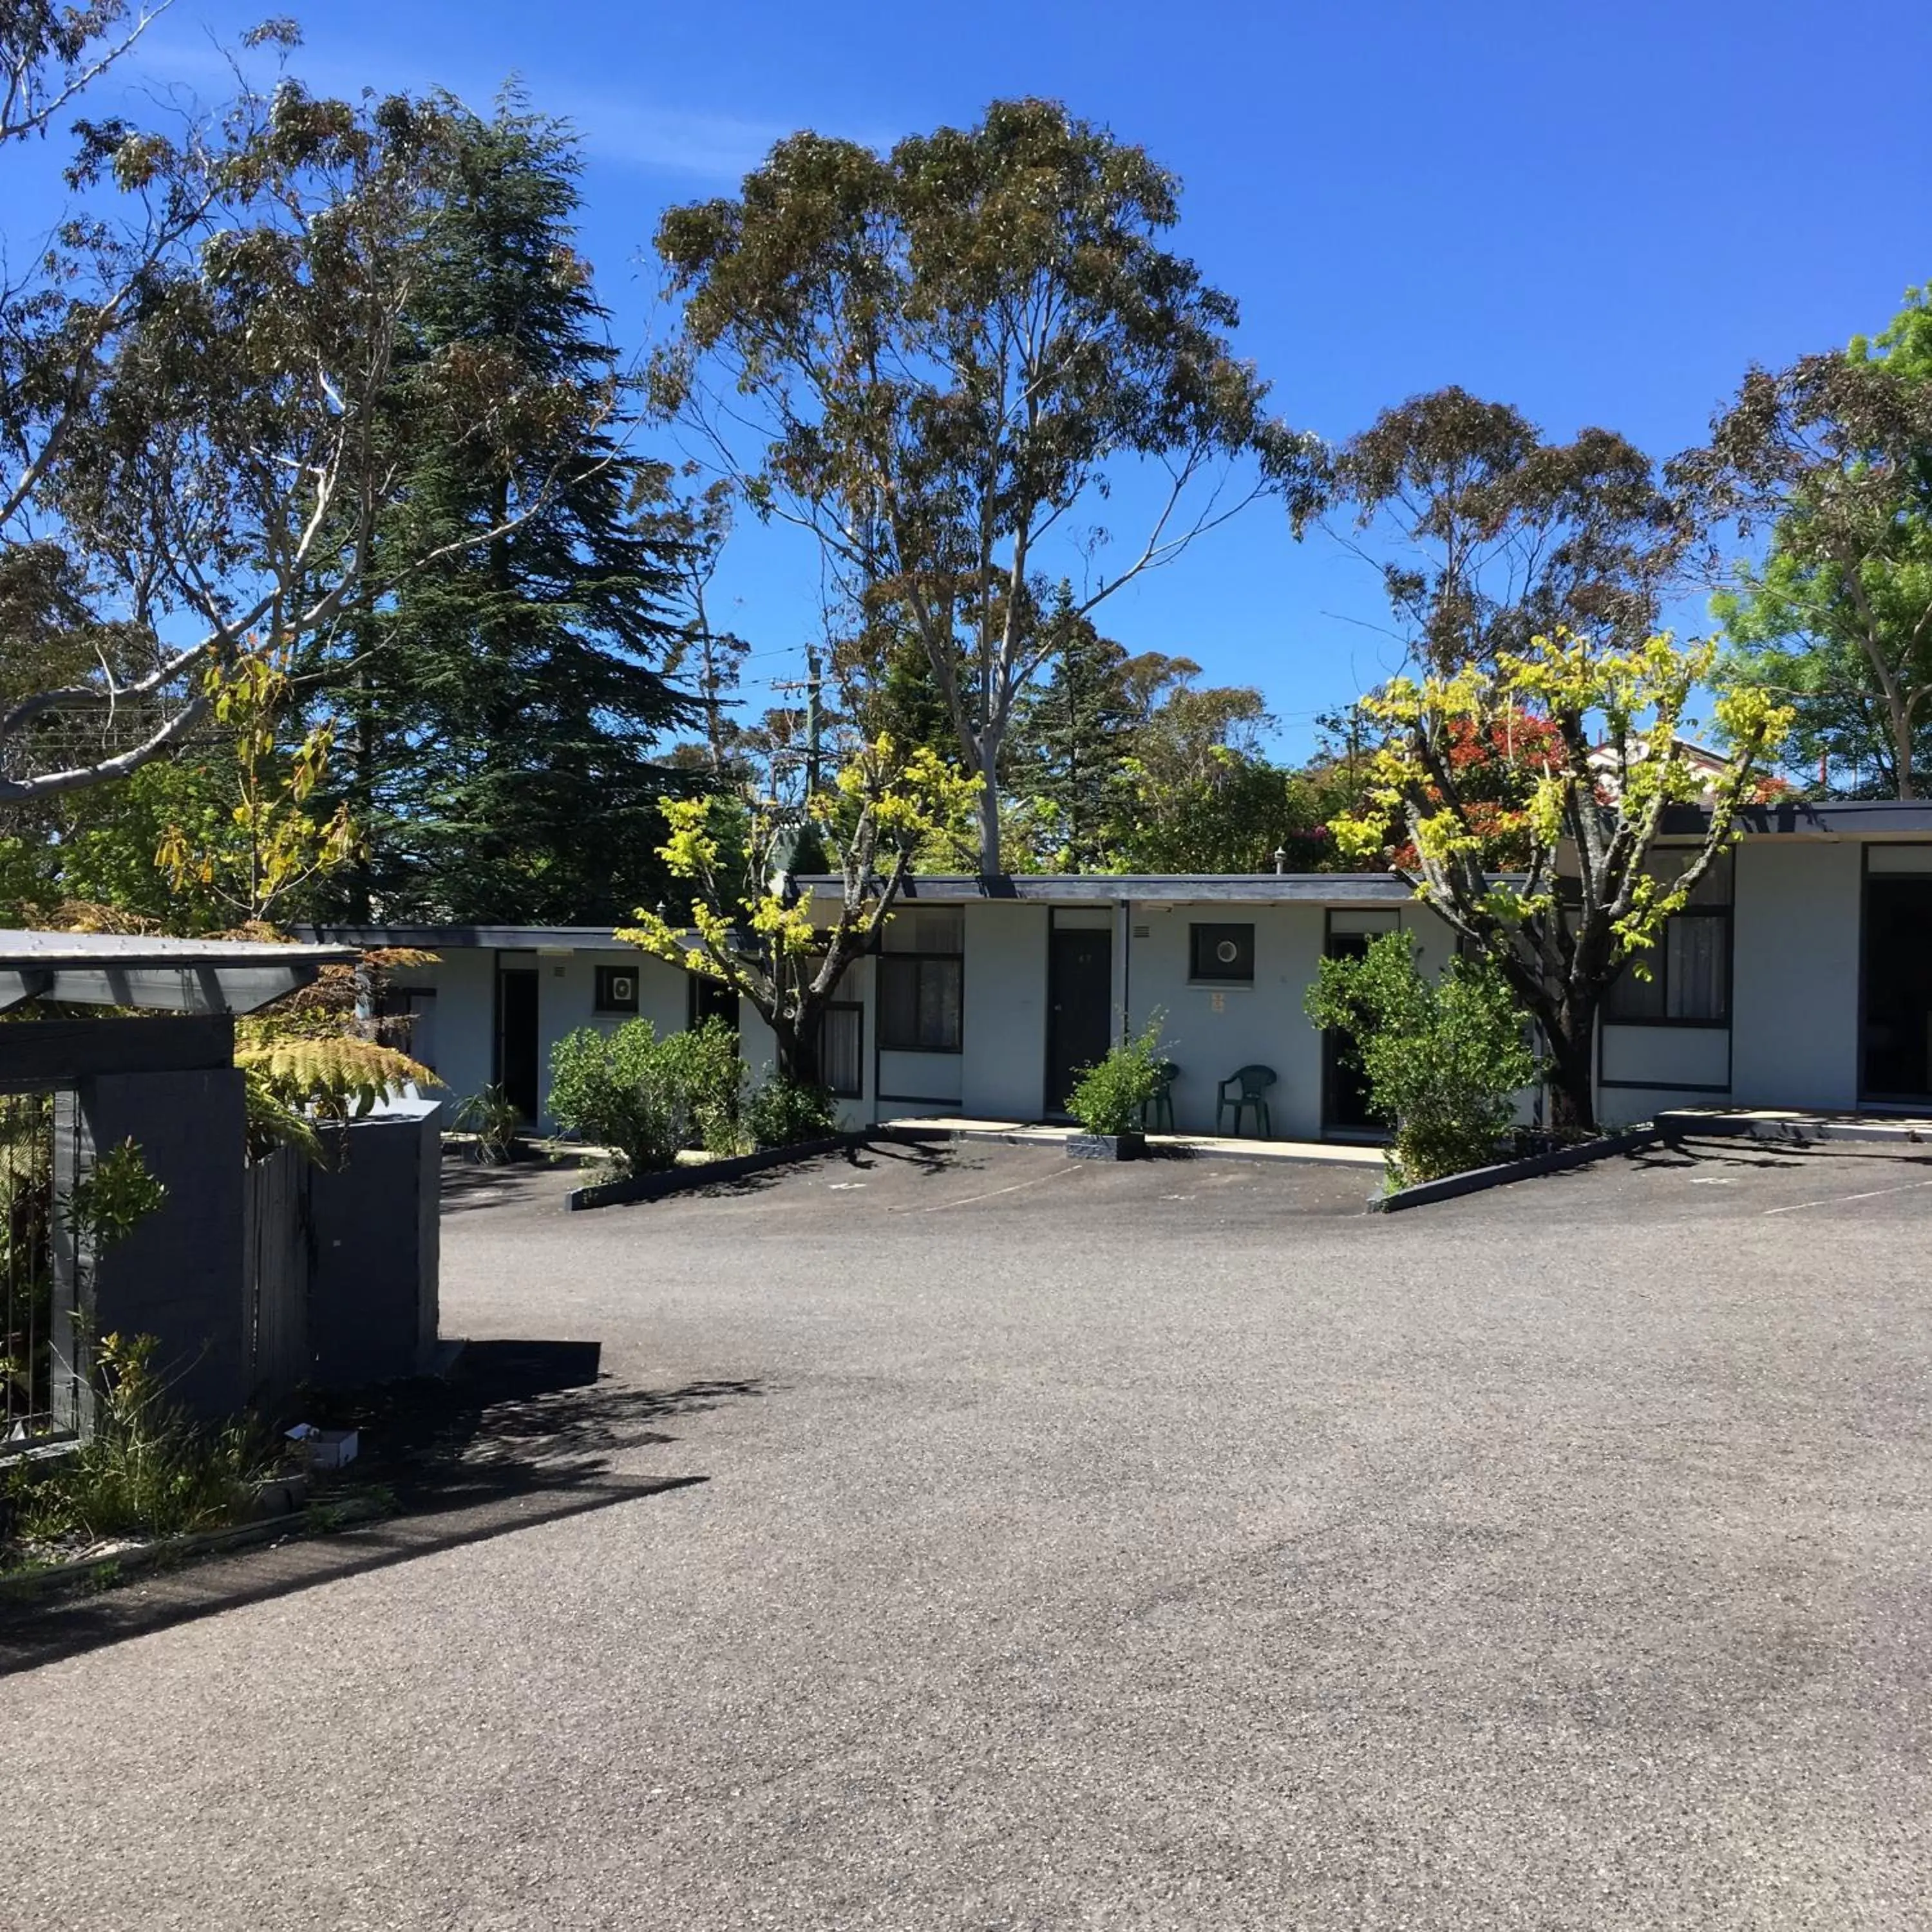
(1246, 1088)
(1157, 1110)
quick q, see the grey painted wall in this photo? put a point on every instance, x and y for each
(179, 1275)
(372, 1290)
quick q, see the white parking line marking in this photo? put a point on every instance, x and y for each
(940, 1207)
(1832, 1200)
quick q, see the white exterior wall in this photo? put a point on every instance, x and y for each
(465, 979)
(919, 1083)
(1208, 1031)
(1793, 1040)
(1003, 1073)
(1794, 998)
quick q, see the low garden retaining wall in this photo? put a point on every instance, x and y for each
(1477, 1178)
(702, 1173)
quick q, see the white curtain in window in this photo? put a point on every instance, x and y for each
(839, 1056)
(1694, 974)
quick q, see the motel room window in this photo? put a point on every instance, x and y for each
(712, 1000)
(841, 1048)
(1689, 982)
(922, 982)
(616, 989)
(1225, 954)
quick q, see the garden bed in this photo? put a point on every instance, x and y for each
(702, 1173)
(100, 1565)
(1555, 1160)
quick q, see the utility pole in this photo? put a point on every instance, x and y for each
(798, 823)
(812, 684)
(814, 678)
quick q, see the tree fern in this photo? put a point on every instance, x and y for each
(337, 1078)
(274, 1124)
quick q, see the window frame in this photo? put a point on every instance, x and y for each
(918, 960)
(1195, 975)
(1660, 965)
(600, 1000)
(703, 986)
(831, 1006)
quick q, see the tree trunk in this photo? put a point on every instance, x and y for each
(1573, 1101)
(991, 856)
(797, 1042)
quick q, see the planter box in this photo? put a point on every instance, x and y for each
(1107, 1146)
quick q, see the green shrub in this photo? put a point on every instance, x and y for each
(644, 1097)
(146, 1469)
(604, 1086)
(491, 1115)
(1444, 1058)
(781, 1113)
(1109, 1095)
(703, 1071)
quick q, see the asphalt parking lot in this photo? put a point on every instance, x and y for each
(1060, 1545)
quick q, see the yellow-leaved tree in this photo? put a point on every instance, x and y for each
(754, 931)
(254, 850)
(1549, 875)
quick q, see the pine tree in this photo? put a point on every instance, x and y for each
(1077, 730)
(504, 711)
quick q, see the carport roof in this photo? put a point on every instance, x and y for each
(178, 976)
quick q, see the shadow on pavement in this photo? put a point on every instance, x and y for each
(467, 1185)
(923, 1157)
(868, 1154)
(521, 1434)
(1741, 1152)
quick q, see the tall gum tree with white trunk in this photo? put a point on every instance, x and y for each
(939, 361)
(198, 430)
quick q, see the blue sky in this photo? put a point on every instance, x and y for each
(1601, 214)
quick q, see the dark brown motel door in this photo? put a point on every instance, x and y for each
(517, 1059)
(1080, 996)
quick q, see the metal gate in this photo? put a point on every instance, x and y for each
(39, 1403)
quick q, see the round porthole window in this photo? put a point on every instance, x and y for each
(1227, 952)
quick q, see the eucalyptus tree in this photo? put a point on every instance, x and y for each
(51, 51)
(1486, 534)
(199, 429)
(1832, 457)
(942, 361)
